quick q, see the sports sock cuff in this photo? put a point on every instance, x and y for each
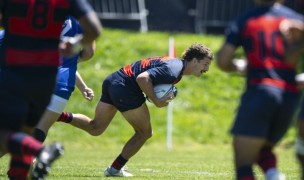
(23, 144)
(267, 159)
(39, 135)
(66, 117)
(119, 162)
(245, 173)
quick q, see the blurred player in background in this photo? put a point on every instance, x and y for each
(66, 78)
(293, 32)
(271, 96)
(29, 59)
(123, 91)
(299, 143)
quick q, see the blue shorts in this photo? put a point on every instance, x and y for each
(25, 94)
(65, 82)
(121, 92)
(265, 112)
(63, 91)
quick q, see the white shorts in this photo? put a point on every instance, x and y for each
(57, 104)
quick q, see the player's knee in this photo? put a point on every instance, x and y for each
(147, 134)
(95, 129)
(95, 132)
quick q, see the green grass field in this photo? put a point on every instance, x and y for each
(203, 112)
(186, 161)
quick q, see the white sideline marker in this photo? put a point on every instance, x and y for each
(171, 53)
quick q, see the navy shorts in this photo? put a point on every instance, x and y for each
(121, 92)
(265, 112)
(24, 94)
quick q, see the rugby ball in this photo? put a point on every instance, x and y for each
(162, 90)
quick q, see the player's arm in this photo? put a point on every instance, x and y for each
(87, 92)
(145, 83)
(292, 30)
(225, 59)
(91, 27)
(87, 52)
(293, 33)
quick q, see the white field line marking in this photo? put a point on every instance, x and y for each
(187, 172)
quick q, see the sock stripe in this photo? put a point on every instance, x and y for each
(119, 162)
(17, 173)
(267, 159)
(66, 117)
(116, 165)
(19, 167)
(23, 144)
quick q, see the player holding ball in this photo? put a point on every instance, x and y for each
(124, 91)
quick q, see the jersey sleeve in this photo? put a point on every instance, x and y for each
(161, 75)
(232, 33)
(168, 73)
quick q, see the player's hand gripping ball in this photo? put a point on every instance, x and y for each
(163, 90)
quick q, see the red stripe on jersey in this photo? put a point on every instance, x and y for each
(128, 70)
(36, 58)
(39, 21)
(144, 63)
(276, 83)
(17, 26)
(269, 63)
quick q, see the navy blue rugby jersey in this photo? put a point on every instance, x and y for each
(33, 29)
(257, 31)
(161, 69)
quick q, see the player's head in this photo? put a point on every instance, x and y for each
(198, 51)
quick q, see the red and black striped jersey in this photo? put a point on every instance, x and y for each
(32, 30)
(257, 31)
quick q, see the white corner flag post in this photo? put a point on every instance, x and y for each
(171, 53)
